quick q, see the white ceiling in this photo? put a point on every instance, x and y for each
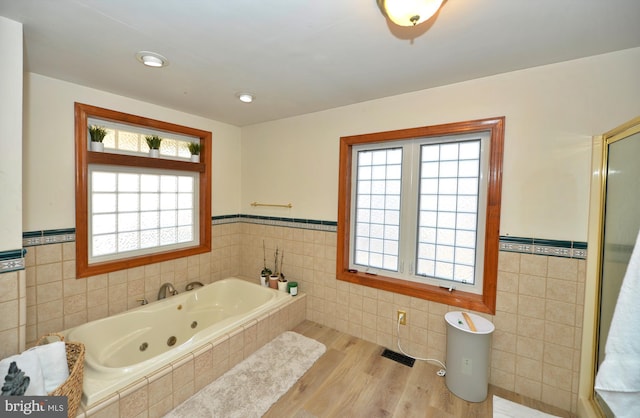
(301, 56)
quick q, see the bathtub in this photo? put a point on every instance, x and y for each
(125, 347)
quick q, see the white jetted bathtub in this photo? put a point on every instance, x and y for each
(130, 345)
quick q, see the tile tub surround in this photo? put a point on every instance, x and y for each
(159, 392)
(57, 301)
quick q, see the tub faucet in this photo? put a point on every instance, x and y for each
(193, 285)
(167, 287)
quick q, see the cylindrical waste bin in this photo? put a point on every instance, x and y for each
(468, 341)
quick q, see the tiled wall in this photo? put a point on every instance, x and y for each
(536, 345)
(57, 301)
(13, 308)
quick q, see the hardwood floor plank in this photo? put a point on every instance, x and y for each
(352, 380)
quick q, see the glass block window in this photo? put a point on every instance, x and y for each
(416, 211)
(448, 216)
(133, 212)
(377, 231)
(125, 139)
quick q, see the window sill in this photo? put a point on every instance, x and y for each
(108, 158)
(464, 300)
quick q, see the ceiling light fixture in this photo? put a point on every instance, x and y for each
(151, 59)
(245, 97)
(409, 12)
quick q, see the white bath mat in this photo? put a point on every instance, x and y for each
(253, 385)
(503, 408)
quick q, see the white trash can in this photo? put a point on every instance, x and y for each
(468, 355)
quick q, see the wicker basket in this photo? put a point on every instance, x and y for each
(72, 387)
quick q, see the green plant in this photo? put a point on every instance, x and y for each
(97, 133)
(194, 148)
(266, 271)
(153, 141)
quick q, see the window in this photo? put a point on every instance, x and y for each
(132, 209)
(419, 211)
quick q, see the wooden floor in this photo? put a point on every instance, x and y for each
(352, 380)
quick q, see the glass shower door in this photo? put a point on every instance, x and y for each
(621, 222)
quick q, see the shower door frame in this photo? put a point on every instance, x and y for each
(589, 406)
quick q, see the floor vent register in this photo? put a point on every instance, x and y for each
(400, 358)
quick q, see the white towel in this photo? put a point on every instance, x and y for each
(618, 379)
(29, 363)
(53, 360)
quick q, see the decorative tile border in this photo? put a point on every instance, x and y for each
(554, 248)
(328, 226)
(12, 260)
(50, 236)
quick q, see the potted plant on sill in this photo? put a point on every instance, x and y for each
(97, 134)
(282, 282)
(266, 271)
(275, 276)
(195, 148)
(153, 141)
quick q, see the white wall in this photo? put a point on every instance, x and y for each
(551, 114)
(10, 134)
(49, 194)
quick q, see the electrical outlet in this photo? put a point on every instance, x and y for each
(402, 317)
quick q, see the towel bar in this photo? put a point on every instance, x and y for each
(288, 205)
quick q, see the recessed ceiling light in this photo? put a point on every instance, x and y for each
(245, 97)
(151, 59)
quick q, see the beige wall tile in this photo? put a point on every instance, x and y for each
(505, 321)
(74, 287)
(501, 360)
(560, 334)
(507, 282)
(534, 265)
(509, 262)
(68, 270)
(556, 397)
(74, 304)
(51, 253)
(8, 286)
(560, 312)
(528, 387)
(506, 302)
(68, 251)
(562, 290)
(134, 403)
(532, 285)
(48, 292)
(531, 327)
(502, 379)
(9, 314)
(563, 268)
(557, 355)
(47, 273)
(49, 310)
(504, 341)
(557, 377)
(9, 342)
(531, 348)
(529, 368)
(531, 306)
(160, 385)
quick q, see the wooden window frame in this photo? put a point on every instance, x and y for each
(84, 157)
(486, 302)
